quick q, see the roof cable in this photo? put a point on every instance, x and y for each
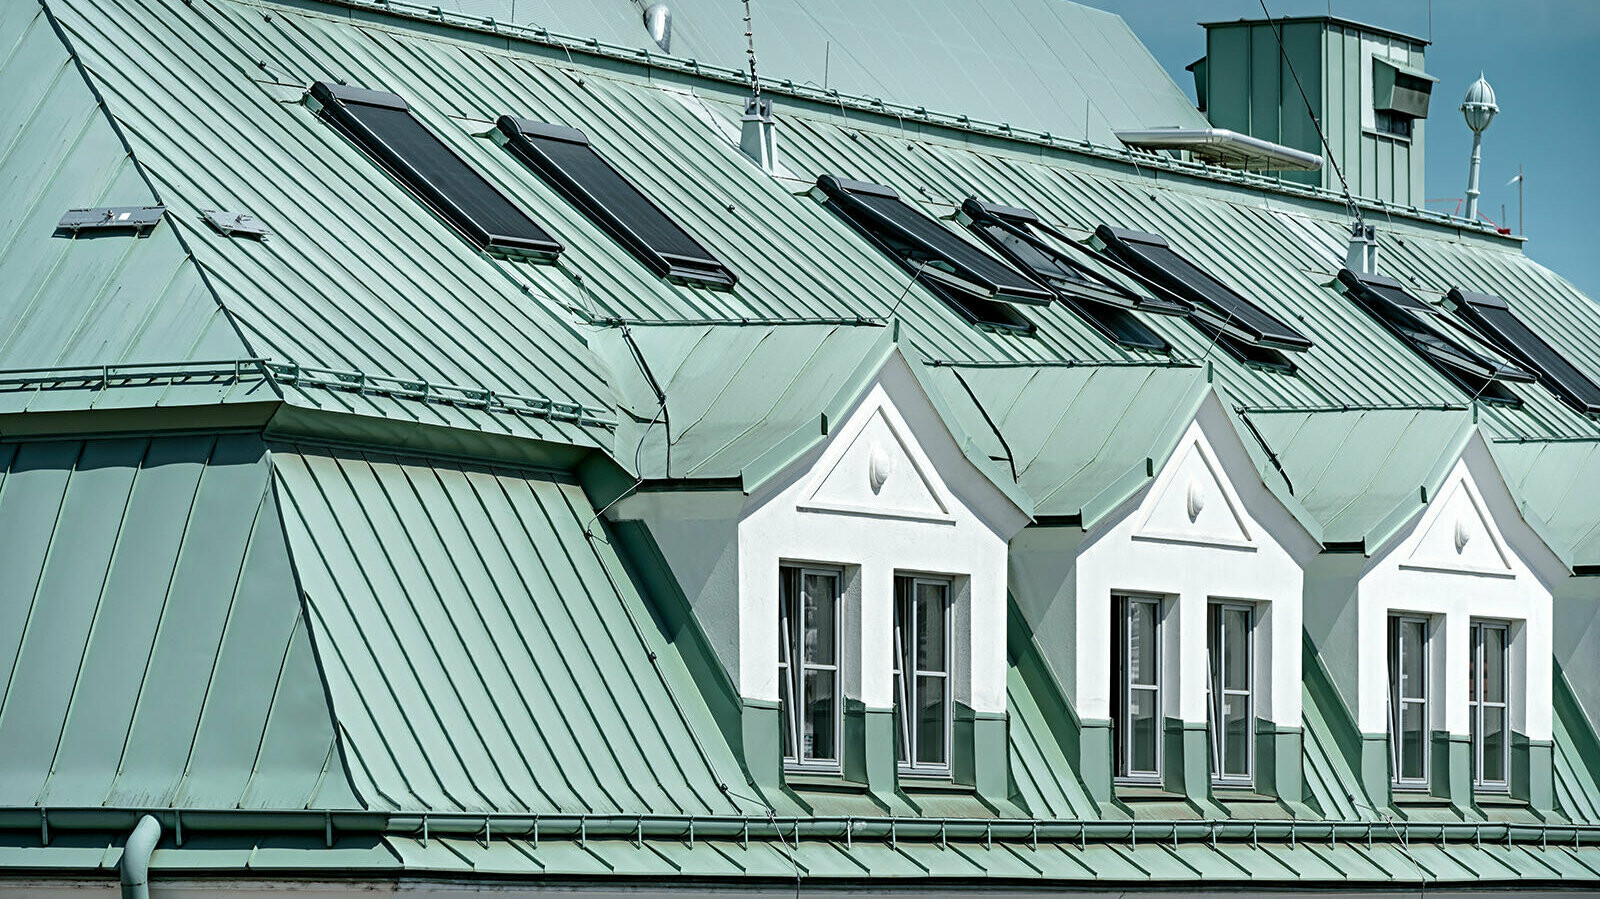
(1333, 160)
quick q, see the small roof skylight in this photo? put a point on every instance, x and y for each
(1425, 330)
(974, 284)
(1494, 321)
(1019, 236)
(382, 125)
(1219, 310)
(566, 160)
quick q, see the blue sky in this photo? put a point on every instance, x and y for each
(1538, 54)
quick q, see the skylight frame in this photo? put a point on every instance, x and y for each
(1480, 311)
(525, 139)
(1100, 302)
(334, 104)
(955, 272)
(1247, 323)
(1413, 323)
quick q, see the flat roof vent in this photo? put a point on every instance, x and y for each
(1223, 147)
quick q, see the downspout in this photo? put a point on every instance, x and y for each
(136, 858)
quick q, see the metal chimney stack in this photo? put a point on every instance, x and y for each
(1362, 256)
(758, 134)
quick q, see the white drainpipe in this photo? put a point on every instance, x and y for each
(136, 858)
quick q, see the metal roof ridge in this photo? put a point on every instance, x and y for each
(404, 10)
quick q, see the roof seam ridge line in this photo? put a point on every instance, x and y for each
(144, 175)
(401, 9)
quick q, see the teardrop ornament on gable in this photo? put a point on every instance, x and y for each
(880, 465)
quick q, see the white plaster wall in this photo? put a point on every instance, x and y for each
(1501, 571)
(935, 514)
(1243, 545)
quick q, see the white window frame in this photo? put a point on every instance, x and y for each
(907, 720)
(1122, 726)
(1393, 650)
(1476, 703)
(1216, 694)
(789, 641)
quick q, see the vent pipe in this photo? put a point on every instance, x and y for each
(1362, 256)
(758, 134)
(658, 21)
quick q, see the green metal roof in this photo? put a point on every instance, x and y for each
(158, 655)
(88, 299)
(1056, 66)
(1360, 474)
(464, 640)
(482, 652)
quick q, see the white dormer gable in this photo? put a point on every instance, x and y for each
(1468, 555)
(1206, 529)
(1457, 534)
(889, 490)
(876, 467)
(1193, 503)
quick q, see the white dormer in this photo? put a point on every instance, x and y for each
(1464, 589)
(1198, 573)
(879, 548)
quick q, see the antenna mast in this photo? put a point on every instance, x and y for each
(750, 49)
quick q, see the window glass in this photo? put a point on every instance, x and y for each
(1229, 694)
(1408, 700)
(382, 125)
(1487, 706)
(568, 162)
(922, 686)
(808, 651)
(1136, 670)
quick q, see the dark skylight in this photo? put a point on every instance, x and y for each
(1018, 235)
(976, 285)
(1494, 321)
(382, 126)
(564, 158)
(1218, 308)
(1424, 329)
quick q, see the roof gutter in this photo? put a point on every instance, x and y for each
(135, 865)
(1224, 147)
(334, 823)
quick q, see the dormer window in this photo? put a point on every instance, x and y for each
(923, 647)
(1136, 635)
(1489, 712)
(1230, 694)
(1408, 701)
(809, 630)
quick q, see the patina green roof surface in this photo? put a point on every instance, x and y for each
(1556, 483)
(1361, 473)
(154, 653)
(479, 647)
(732, 393)
(96, 298)
(1046, 65)
(482, 652)
(1106, 430)
(358, 280)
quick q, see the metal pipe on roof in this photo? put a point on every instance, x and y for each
(135, 865)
